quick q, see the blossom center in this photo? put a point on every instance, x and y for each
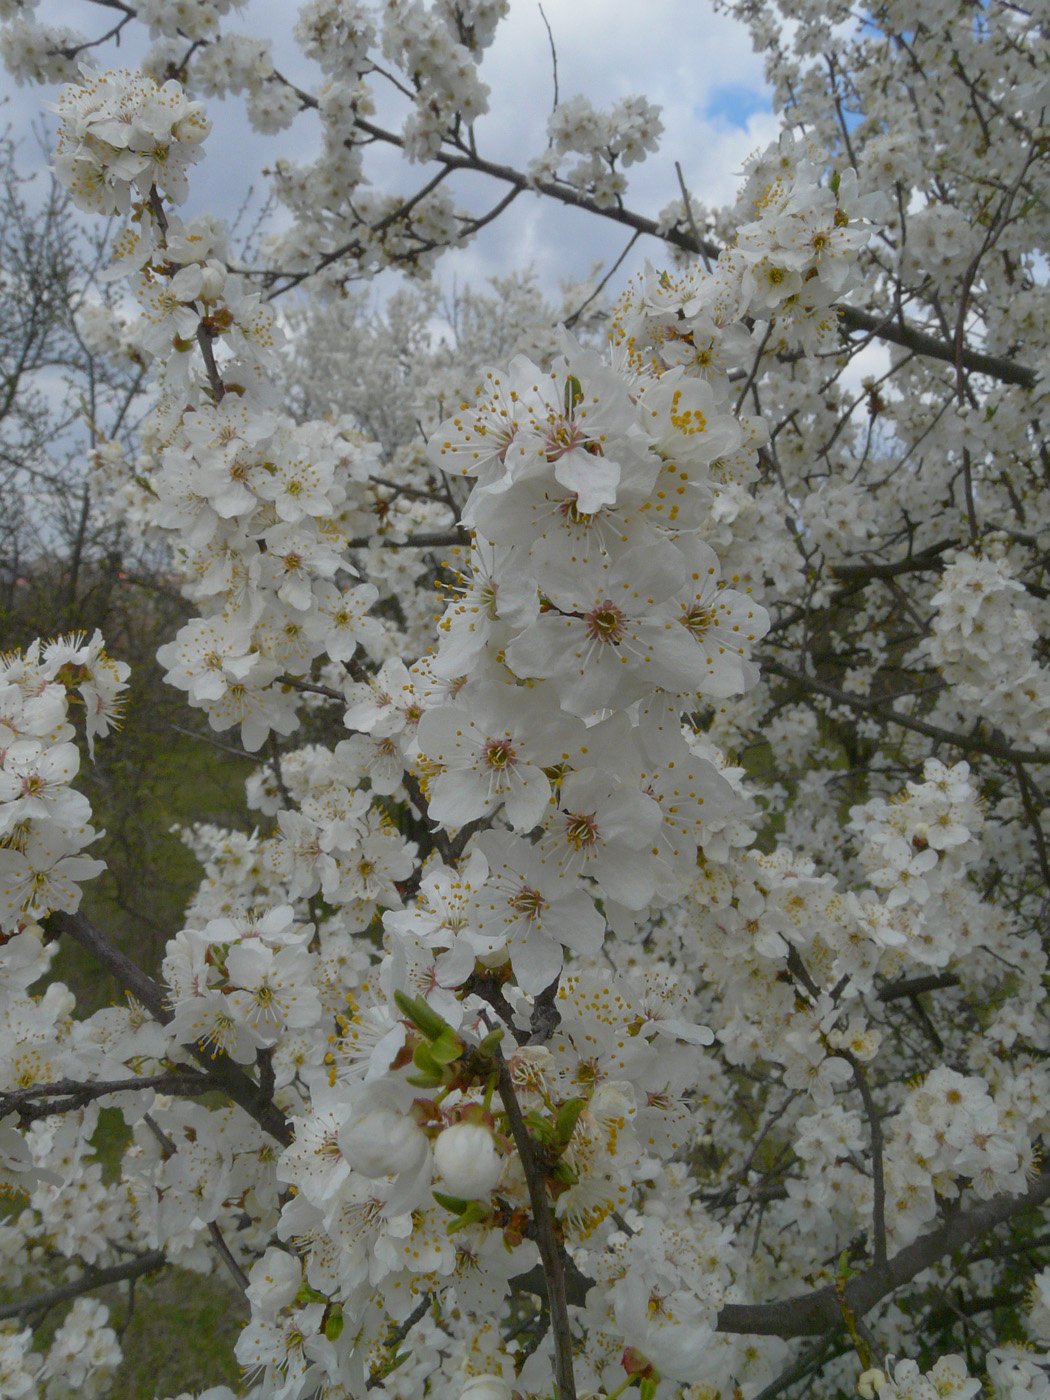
(697, 619)
(563, 436)
(581, 829)
(689, 420)
(528, 903)
(606, 623)
(573, 515)
(498, 754)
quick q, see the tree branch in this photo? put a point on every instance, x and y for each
(820, 1313)
(70, 1094)
(550, 1251)
(878, 1178)
(885, 714)
(93, 1278)
(220, 1069)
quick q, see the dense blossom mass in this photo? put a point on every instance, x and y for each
(638, 963)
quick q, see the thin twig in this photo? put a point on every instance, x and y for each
(554, 58)
(878, 1179)
(310, 688)
(238, 1275)
(397, 1335)
(705, 257)
(571, 321)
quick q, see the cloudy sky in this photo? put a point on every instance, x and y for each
(698, 66)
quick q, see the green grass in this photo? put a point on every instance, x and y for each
(180, 1335)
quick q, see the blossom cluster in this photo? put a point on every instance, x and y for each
(44, 821)
(504, 983)
(81, 1360)
(983, 639)
(121, 132)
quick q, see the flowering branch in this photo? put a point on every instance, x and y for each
(819, 1312)
(884, 712)
(222, 1072)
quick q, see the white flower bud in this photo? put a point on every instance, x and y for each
(468, 1160)
(382, 1142)
(213, 279)
(870, 1383)
(484, 1387)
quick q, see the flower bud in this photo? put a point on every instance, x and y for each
(468, 1160)
(274, 1281)
(870, 1383)
(382, 1142)
(213, 279)
(486, 1388)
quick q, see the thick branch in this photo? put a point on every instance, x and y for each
(820, 1312)
(81, 930)
(915, 986)
(927, 559)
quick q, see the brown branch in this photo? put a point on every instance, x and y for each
(878, 1177)
(570, 321)
(554, 58)
(234, 1269)
(93, 1278)
(851, 318)
(885, 714)
(704, 255)
(820, 1313)
(396, 1336)
(926, 559)
(810, 1361)
(70, 1094)
(438, 539)
(550, 1251)
(215, 384)
(915, 986)
(219, 1068)
(81, 930)
(545, 1018)
(309, 688)
(1034, 820)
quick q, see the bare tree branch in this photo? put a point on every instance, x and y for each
(86, 1283)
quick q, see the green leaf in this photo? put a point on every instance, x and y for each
(452, 1203)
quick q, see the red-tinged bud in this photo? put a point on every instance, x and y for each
(634, 1363)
